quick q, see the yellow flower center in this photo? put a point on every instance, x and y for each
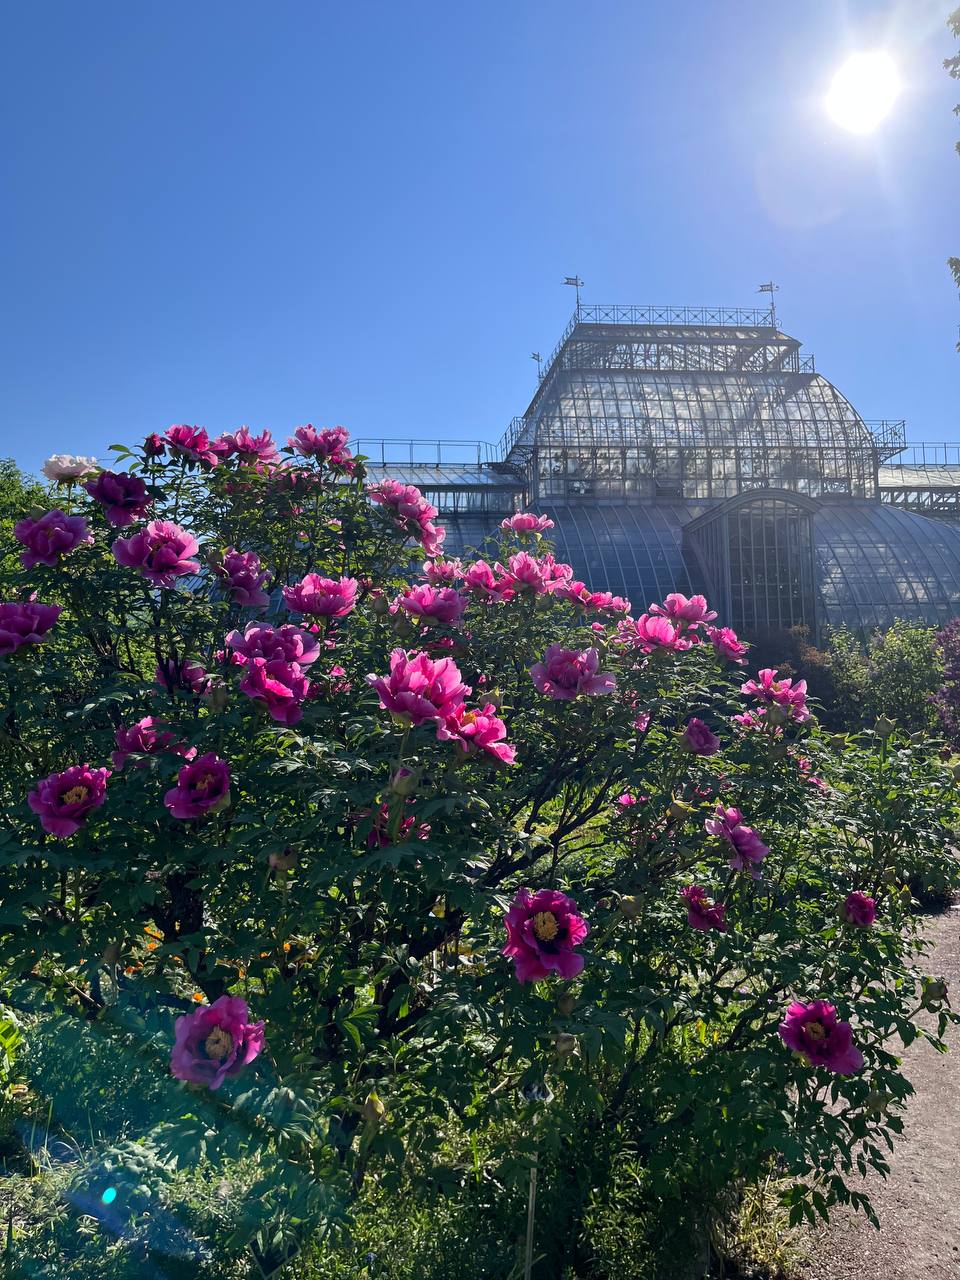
(218, 1044)
(204, 783)
(816, 1031)
(76, 795)
(545, 926)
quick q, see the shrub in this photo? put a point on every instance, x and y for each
(271, 818)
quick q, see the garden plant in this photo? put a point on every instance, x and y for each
(349, 881)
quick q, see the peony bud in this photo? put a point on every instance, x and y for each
(776, 715)
(631, 906)
(566, 1004)
(564, 1044)
(373, 1109)
(933, 993)
(380, 606)
(218, 696)
(956, 772)
(884, 727)
(405, 781)
(284, 861)
(679, 810)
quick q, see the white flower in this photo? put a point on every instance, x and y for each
(64, 467)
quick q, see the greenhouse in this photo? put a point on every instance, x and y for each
(698, 449)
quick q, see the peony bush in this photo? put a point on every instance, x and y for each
(396, 866)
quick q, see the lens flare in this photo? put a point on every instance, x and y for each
(863, 91)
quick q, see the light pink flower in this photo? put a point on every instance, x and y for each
(434, 604)
(477, 730)
(63, 801)
(542, 930)
(701, 912)
(161, 552)
(525, 522)
(215, 1041)
(813, 1031)
(566, 673)
(649, 634)
(50, 537)
(64, 468)
(680, 608)
(322, 597)
(419, 689)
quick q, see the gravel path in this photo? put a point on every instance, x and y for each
(919, 1204)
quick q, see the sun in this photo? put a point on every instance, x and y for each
(863, 91)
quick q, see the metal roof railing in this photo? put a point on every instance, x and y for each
(427, 452)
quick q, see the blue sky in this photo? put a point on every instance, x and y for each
(237, 212)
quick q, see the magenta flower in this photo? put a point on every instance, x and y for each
(413, 514)
(215, 1041)
(248, 448)
(748, 849)
(642, 722)
(328, 445)
(146, 737)
(280, 686)
(244, 577)
(680, 608)
(859, 909)
(480, 580)
(789, 696)
(259, 640)
(25, 623)
(123, 496)
(50, 537)
(542, 930)
(566, 673)
(419, 689)
(181, 673)
(477, 730)
(192, 444)
(64, 468)
(594, 601)
(64, 800)
(649, 634)
(154, 446)
(812, 1030)
(702, 913)
(161, 552)
(322, 597)
(525, 522)
(542, 575)
(700, 739)
(726, 645)
(433, 604)
(203, 786)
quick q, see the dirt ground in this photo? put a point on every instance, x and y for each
(919, 1204)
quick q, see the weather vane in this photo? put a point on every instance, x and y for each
(535, 355)
(577, 284)
(771, 288)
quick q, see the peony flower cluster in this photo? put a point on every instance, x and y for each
(419, 689)
(477, 730)
(814, 1031)
(726, 645)
(441, 605)
(567, 673)
(322, 597)
(540, 575)
(789, 696)
(244, 577)
(145, 738)
(25, 623)
(248, 448)
(328, 445)
(594, 601)
(748, 849)
(650, 634)
(49, 537)
(191, 444)
(260, 640)
(702, 913)
(542, 930)
(214, 1042)
(412, 512)
(442, 573)
(203, 786)
(64, 800)
(482, 583)
(123, 496)
(160, 553)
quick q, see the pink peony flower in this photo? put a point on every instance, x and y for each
(541, 575)
(181, 673)
(789, 696)
(192, 444)
(642, 722)
(701, 912)
(566, 673)
(203, 786)
(25, 623)
(860, 910)
(650, 634)
(477, 730)
(280, 686)
(542, 930)
(442, 573)
(244, 577)
(378, 837)
(679, 608)
(524, 522)
(413, 514)
(594, 601)
(64, 468)
(64, 800)
(434, 604)
(748, 849)
(50, 537)
(812, 1030)
(215, 1041)
(160, 552)
(700, 739)
(145, 737)
(419, 689)
(328, 445)
(154, 446)
(726, 645)
(626, 801)
(259, 640)
(322, 597)
(480, 580)
(123, 496)
(248, 448)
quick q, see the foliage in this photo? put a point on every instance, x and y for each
(946, 700)
(352, 888)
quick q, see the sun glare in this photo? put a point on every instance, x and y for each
(864, 91)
